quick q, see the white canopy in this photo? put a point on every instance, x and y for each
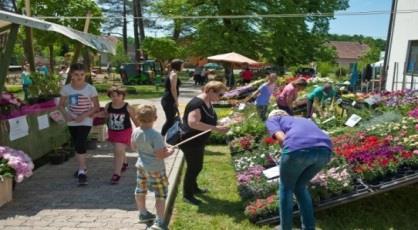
(232, 57)
(101, 44)
(378, 64)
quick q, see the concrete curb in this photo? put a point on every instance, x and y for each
(174, 176)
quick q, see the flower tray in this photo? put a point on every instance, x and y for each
(362, 193)
(394, 180)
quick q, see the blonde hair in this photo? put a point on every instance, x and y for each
(277, 112)
(215, 86)
(146, 113)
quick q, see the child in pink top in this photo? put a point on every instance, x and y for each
(290, 94)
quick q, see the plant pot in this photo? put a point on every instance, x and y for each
(6, 190)
(57, 158)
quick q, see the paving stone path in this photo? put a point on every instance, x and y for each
(51, 199)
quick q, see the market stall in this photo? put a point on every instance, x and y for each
(375, 150)
(35, 126)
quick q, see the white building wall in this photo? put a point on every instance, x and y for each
(405, 30)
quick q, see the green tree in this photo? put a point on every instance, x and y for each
(120, 56)
(178, 27)
(63, 8)
(296, 40)
(162, 49)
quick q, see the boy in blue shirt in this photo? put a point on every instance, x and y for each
(151, 174)
(263, 94)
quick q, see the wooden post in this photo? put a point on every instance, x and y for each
(6, 55)
(29, 40)
(79, 45)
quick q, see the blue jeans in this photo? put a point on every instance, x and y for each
(297, 168)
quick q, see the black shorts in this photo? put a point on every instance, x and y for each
(79, 137)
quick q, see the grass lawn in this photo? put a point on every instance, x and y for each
(222, 207)
(397, 209)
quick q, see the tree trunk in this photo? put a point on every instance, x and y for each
(177, 29)
(6, 54)
(125, 29)
(28, 47)
(136, 36)
(141, 21)
(86, 60)
(51, 58)
(29, 40)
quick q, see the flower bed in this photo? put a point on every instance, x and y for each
(378, 154)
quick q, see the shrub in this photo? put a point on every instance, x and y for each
(341, 72)
(131, 90)
(14, 88)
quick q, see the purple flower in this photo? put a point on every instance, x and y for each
(17, 160)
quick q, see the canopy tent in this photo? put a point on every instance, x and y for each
(233, 58)
(378, 64)
(101, 44)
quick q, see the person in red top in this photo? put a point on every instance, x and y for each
(247, 75)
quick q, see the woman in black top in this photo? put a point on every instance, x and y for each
(169, 101)
(199, 116)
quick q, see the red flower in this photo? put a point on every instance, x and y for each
(406, 154)
(269, 140)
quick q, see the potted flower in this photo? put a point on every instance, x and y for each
(14, 164)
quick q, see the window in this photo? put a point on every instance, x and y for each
(412, 61)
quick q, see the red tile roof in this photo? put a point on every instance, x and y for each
(349, 50)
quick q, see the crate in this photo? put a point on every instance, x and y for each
(6, 192)
(98, 132)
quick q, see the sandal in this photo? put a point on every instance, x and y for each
(124, 167)
(115, 179)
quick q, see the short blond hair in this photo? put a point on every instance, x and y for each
(146, 113)
(215, 86)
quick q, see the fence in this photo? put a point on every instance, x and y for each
(402, 80)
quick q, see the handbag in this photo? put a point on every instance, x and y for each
(175, 132)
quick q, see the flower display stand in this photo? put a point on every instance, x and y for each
(38, 142)
(6, 185)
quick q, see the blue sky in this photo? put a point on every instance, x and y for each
(370, 25)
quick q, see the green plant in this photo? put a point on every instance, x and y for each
(325, 68)
(44, 87)
(131, 90)
(341, 72)
(14, 88)
(217, 139)
(102, 88)
(255, 189)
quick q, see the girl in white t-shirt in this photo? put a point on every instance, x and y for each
(79, 101)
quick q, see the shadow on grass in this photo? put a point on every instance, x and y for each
(212, 206)
(392, 210)
(211, 153)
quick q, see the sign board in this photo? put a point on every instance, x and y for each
(353, 120)
(18, 128)
(43, 121)
(272, 173)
